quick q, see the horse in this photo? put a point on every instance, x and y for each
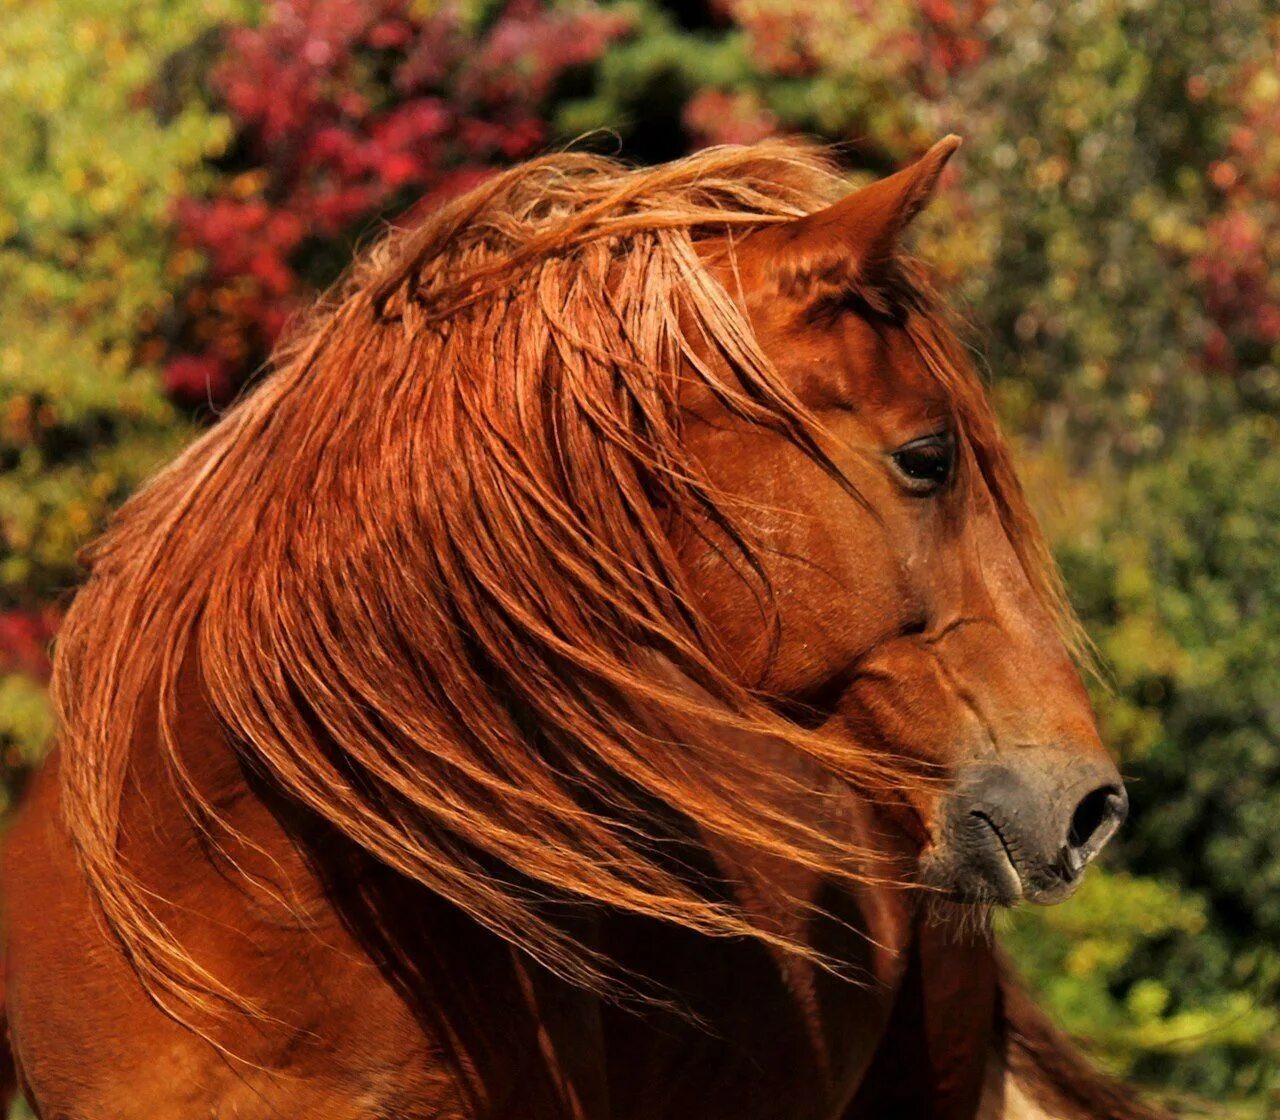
(607, 669)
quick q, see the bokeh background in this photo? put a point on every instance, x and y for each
(177, 177)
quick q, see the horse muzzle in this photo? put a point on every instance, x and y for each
(1026, 826)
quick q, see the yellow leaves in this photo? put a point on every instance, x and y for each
(1068, 505)
(1049, 173)
(1265, 86)
(85, 35)
(86, 183)
(80, 518)
(1192, 240)
(26, 721)
(218, 136)
(1234, 1020)
(957, 242)
(103, 485)
(1093, 373)
(182, 264)
(1130, 732)
(39, 206)
(1076, 119)
(1267, 427)
(116, 53)
(1144, 205)
(1064, 286)
(1148, 999)
(1166, 227)
(1087, 957)
(105, 200)
(249, 183)
(74, 179)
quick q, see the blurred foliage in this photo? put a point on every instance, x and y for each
(1091, 962)
(1179, 582)
(177, 180)
(89, 169)
(1088, 191)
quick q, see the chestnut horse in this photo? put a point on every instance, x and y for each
(607, 669)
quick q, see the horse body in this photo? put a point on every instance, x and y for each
(607, 672)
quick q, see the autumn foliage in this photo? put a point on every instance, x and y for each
(177, 181)
(347, 111)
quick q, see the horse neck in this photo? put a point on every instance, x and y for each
(938, 1045)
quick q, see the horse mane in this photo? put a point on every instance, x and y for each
(426, 569)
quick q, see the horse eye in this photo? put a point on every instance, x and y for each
(926, 464)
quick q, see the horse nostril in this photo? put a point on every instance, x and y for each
(1098, 815)
(1029, 824)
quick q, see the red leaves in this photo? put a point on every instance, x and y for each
(243, 237)
(195, 378)
(344, 110)
(951, 40)
(715, 117)
(1235, 271)
(24, 641)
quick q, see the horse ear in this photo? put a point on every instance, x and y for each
(860, 233)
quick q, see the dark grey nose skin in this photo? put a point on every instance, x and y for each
(1026, 824)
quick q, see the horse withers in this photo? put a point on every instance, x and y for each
(607, 669)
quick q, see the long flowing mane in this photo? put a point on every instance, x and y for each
(426, 567)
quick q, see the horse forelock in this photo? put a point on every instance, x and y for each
(426, 569)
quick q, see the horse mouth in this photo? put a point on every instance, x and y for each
(1003, 876)
(979, 863)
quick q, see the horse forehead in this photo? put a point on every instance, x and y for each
(839, 359)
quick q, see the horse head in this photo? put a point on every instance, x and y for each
(917, 613)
